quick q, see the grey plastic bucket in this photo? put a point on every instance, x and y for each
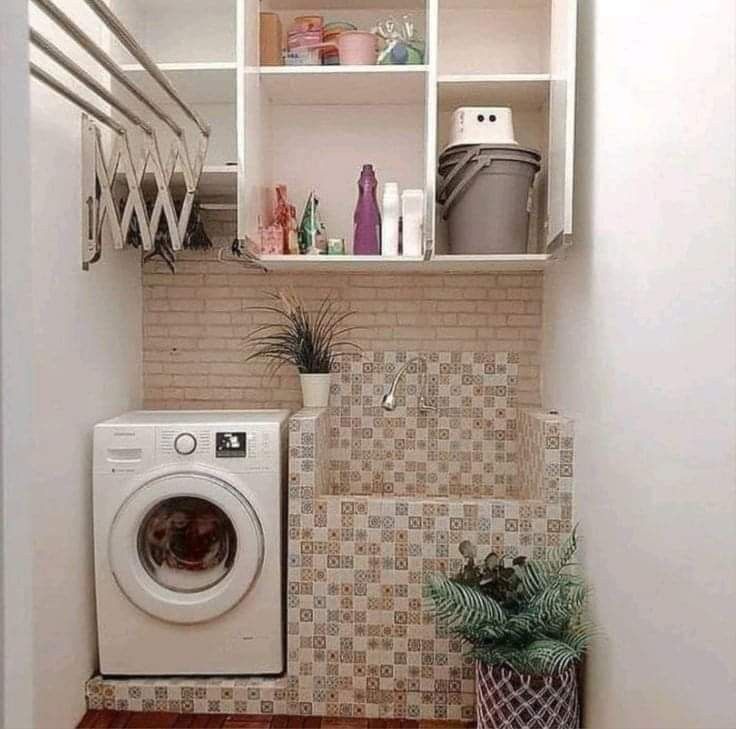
(485, 194)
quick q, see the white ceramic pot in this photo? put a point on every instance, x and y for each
(315, 390)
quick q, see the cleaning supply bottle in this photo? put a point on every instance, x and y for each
(292, 246)
(367, 219)
(390, 220)
(281, 216)
(311, 230)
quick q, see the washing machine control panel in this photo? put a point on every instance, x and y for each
(185, 444)
(241, 448)
(233, 444)
(172, 443)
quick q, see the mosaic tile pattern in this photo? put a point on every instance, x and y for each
(359, 641)
(546, 442)
(466, 448)
(107, 719)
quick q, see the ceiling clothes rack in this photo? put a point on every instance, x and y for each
(103, 174)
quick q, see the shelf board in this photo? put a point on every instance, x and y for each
(518, 90)
(346, 5)
(385, 264)
(344, 85)
(493, 4)
(487, 264)
(198, 83)
(218, 183)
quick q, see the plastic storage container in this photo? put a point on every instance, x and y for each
(412, 213)
(390, 214)
(270, 39)
(485, 191)
(482, 125)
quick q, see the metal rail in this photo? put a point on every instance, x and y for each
(59, 87)
(134, 48)
(111, 66)
(81, 75)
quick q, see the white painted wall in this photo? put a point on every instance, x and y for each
(16, 669)
(87, 342)
(640, 348)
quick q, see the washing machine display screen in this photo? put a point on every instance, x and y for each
(230, 445)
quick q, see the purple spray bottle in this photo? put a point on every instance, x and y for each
(367, 219)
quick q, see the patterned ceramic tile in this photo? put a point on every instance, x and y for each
(359, 640)
(466, 447)
(546, 442)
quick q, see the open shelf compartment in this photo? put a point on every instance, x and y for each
(200, 83)
(343, 85)
(520, 91)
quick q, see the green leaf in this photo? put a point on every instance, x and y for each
(534, 576)
(561, 556)
(462, 606)
(529, 618)
(578, 636)
(551, 656)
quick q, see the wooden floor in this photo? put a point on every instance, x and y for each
(156, 720)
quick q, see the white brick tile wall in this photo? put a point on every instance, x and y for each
(195, 324)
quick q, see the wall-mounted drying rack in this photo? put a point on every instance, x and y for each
(101, 173)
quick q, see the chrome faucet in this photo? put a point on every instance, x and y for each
(389, 399)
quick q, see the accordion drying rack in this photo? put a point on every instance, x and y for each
(106, 166)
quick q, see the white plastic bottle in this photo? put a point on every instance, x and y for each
(390, 220)
(412, 203)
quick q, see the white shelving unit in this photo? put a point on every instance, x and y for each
(313, 127)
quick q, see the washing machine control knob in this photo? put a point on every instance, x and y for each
(185, 444)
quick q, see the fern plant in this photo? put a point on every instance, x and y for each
(528, 615)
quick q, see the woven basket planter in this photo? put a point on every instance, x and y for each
(506, 699)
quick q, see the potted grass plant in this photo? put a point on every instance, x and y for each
(525, 625)
(311, 341)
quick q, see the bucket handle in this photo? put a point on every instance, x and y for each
(465, 180)
(442, 192)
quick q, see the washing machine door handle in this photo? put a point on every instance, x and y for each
(186, 547)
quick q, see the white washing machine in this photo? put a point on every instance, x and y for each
(189, 511)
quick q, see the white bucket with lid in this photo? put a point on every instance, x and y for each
(481, 125)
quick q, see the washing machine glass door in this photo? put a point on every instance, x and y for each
(186, 547)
